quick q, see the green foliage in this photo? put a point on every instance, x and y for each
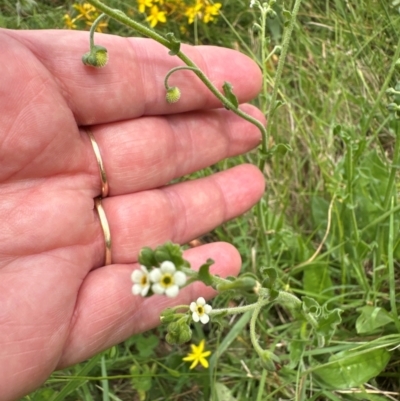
(349, 369)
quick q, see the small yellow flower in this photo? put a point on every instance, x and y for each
(198, 355)
(69, 22)
(143, 4)
(194, 12)
(84, 10)
(211, 11)
(156, 16)
(100, 26)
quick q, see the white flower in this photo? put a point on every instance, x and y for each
(141, 281)
(252, 3)
(167, 279)
(200, 310)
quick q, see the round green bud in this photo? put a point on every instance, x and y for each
(97, 57)
(173, 94)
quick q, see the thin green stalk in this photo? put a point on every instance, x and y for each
(282, 59)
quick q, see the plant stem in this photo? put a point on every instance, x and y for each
(124, 19)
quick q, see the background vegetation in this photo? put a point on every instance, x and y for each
(331, 213)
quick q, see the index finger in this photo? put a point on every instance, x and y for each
(132, 83)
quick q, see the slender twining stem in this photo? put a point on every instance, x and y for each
(170, 72)
(253, 322)
(282, 59)
(124, 19)
(93, 29)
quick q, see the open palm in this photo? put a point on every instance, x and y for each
(58, 304)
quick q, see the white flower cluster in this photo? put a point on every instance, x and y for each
(162, 280)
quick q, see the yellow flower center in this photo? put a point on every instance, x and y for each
(200, 310)
(143, 280)
(166, 280)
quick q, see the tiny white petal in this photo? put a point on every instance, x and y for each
(195, 317)
(172, 291)
(193, 306)
(155, 275)
(157, 288)
(204, 319)
(207, 308)
(201, 301)
(167, 267)
(136, 289)
(145, 290)
(179, 278)
(136, 276)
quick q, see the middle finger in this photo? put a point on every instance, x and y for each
(149, 152)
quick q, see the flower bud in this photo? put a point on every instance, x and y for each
(173, 94)
(268, 360)
(97, 57)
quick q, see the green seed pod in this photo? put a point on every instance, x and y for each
(173, 94)
(97, 57)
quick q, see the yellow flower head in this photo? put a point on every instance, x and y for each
(194, 12)
(69, 22)
(143, 4)
(156, 16)
(211, 11)
(84, 10)
(198, 355)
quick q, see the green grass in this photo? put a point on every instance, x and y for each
(344, 153)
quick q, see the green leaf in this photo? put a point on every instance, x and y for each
(174, 43)
(296, 348)
(223, 393)
(146, 257)
(352, 368)
(141, 379)
(317, 280)
(310, 305)
(371, 318)
(146, 344)
(327, 325)
(227, 88)
(204, 272)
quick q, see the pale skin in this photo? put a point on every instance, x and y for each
(59, 304)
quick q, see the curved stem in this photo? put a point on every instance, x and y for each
(170, 72)
(93, 28)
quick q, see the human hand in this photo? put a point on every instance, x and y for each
(59, 304)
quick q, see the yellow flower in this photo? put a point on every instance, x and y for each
(100, 26)
(143, 4)
(156, 16)
(198, 355)
(211, 11)
(193, 12)
(69, 22)
(84, 10)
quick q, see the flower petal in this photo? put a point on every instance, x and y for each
(201, 301)
(172, 291)
(195, 317)
(207, 308)
(136, 289)
(204, 319)
(136, 276)
(145, 290)
(157, 288)
(203, 362)
(167, 267)
(155, 275)
(193, 306)
(180, 278)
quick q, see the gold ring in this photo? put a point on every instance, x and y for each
(103, 176)
(106, 230)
